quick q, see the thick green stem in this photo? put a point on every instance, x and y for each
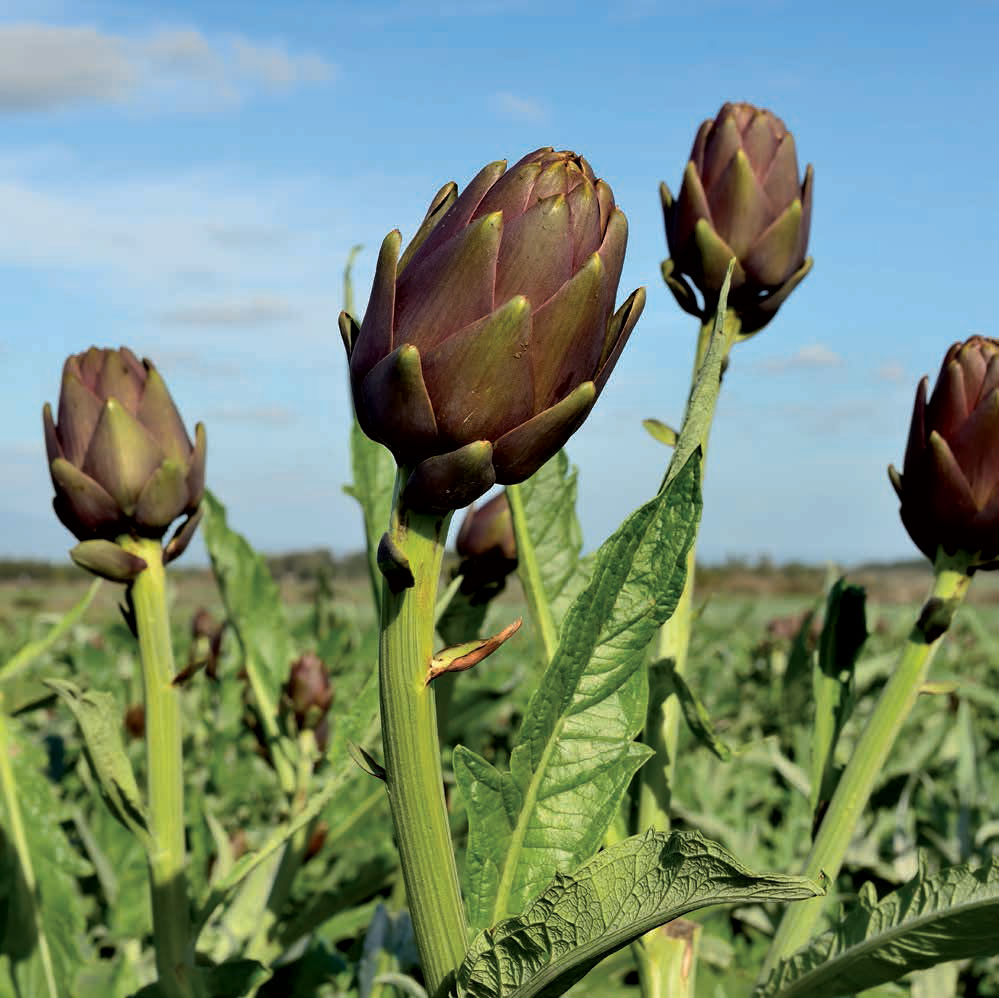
(164, 761)
(530, 574)
(662, 729)
(412, 751)
(867, 761)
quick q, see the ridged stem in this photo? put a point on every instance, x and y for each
(868, 759)
(413, 773)
(165, 777)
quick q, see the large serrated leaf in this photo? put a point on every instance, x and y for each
(41, 930)
(99, 718)
(624, 892)
(549, 497)
(951, 915)
(253, 606)
(575, 753)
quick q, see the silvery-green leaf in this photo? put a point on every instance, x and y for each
(625, 891)
(950, 915)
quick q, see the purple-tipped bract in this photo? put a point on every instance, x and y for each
(485, 346)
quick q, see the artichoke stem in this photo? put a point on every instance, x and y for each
(164, 763)
(413, 775)
(866, 763)
(662, 729)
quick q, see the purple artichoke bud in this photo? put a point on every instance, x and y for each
(309, 694)
(741, 197)
(949, 486)
(484, 348)
(120, 458)
(487, 547)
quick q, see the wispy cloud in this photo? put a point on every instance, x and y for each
(891, 372)
(815, 356)
(265, 415)
(261, 310)
(521, 108)
(44, 67)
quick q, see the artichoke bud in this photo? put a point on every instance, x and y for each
(741, 197)
(484, 346)
(487, 549)
(949, 484)
(308, 694)
(120, 460)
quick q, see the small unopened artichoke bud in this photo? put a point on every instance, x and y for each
(484, 347)
(487, 549)
(949, 486)
(121, 461)
(309, 693)
(741, 197)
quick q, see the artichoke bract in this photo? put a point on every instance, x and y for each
(485, 346)
(949, 486)
(741, 197)
(121, 461)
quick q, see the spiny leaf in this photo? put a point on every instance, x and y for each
(950, 915)
(575, 753)
(624, 892)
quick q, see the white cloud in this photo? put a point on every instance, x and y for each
(46, 66)
(815, 356)
(522, 108)
(892, 372)
(261, 310)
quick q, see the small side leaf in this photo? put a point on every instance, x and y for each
(99, 718)
(624, 892)
(694, 712)
(844, 631)
(951, 915)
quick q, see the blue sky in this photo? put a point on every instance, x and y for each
(187, 179)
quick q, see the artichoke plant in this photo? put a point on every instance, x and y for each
(484, 346)
(949, 485)
(308, 694)
(120, 460)
(487, 547)
(741, 197)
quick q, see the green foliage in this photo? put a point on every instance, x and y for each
(575, 752)
(99, 717)
(625, 891)
(844, 631)
(550, 507)
(41, 928)
(936, 918)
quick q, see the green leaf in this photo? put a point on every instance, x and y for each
(549, 497)
(575, 753)
(659, 431)
(35, 649)
(624, 892)
(694, 712)
(358, 723)
(950, 915)
(373, 468)
(42, 921)
(253, 607)
(844, 631)
(99, 718)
